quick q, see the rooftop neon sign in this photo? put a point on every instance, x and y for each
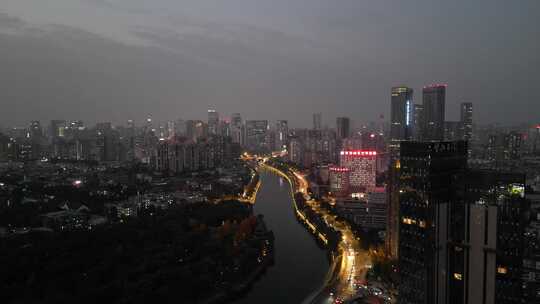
(339, 169)
(359, 153)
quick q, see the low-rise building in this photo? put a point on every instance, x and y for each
(368, 210)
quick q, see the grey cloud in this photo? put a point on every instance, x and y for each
(69, 73)
(10, 22)
(267, 59)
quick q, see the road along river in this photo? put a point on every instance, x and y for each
(301, 264)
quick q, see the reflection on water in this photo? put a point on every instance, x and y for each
(300, 264)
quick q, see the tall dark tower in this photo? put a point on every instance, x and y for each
(434, 100)
(460, 230)
(402, 112)
(466, 120)
(417, 121)
(486, 256)
(317, 121)
(428, 182)
(402, 127)
(343, 127)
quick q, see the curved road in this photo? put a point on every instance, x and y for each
(353, 264)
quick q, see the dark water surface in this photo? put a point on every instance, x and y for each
(300, 264)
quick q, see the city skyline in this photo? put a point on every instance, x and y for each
(251, 151)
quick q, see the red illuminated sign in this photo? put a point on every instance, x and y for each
(361, 153)
(339, 169)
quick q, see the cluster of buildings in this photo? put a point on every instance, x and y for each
(457, 200)
(66, 196)
(460, 230)
(73, 140)
(458, 219)
(426, 121)
(461, 222)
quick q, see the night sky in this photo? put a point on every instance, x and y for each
(113, 60)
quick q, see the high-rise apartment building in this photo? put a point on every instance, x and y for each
(237, 129)
(196, 129)
(256, 135)
(236, 120)
(504, 146)
(466, 120)
(282, 135)
(213, 122)
(452, 130)
(434, 102)
(295, 150)
(418, 121)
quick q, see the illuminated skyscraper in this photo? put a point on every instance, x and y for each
(434, 101)
(282, 135)
(402, 114)
(403, 126)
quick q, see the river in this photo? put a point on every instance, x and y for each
(300, 264)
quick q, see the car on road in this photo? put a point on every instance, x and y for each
(376, 291)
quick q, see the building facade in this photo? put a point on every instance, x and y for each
(461, 230)
(428, 177)
(363, 168)
(282, 135)
(434, 102)
(257, 135)
(339, 181)
(317, 121)
(466, 120)
(213, 122)
(402, 114)
(343, 127)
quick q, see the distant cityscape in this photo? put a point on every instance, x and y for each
(413, 209)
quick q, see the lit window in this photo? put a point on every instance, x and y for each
(458, 276)
(502, 270)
